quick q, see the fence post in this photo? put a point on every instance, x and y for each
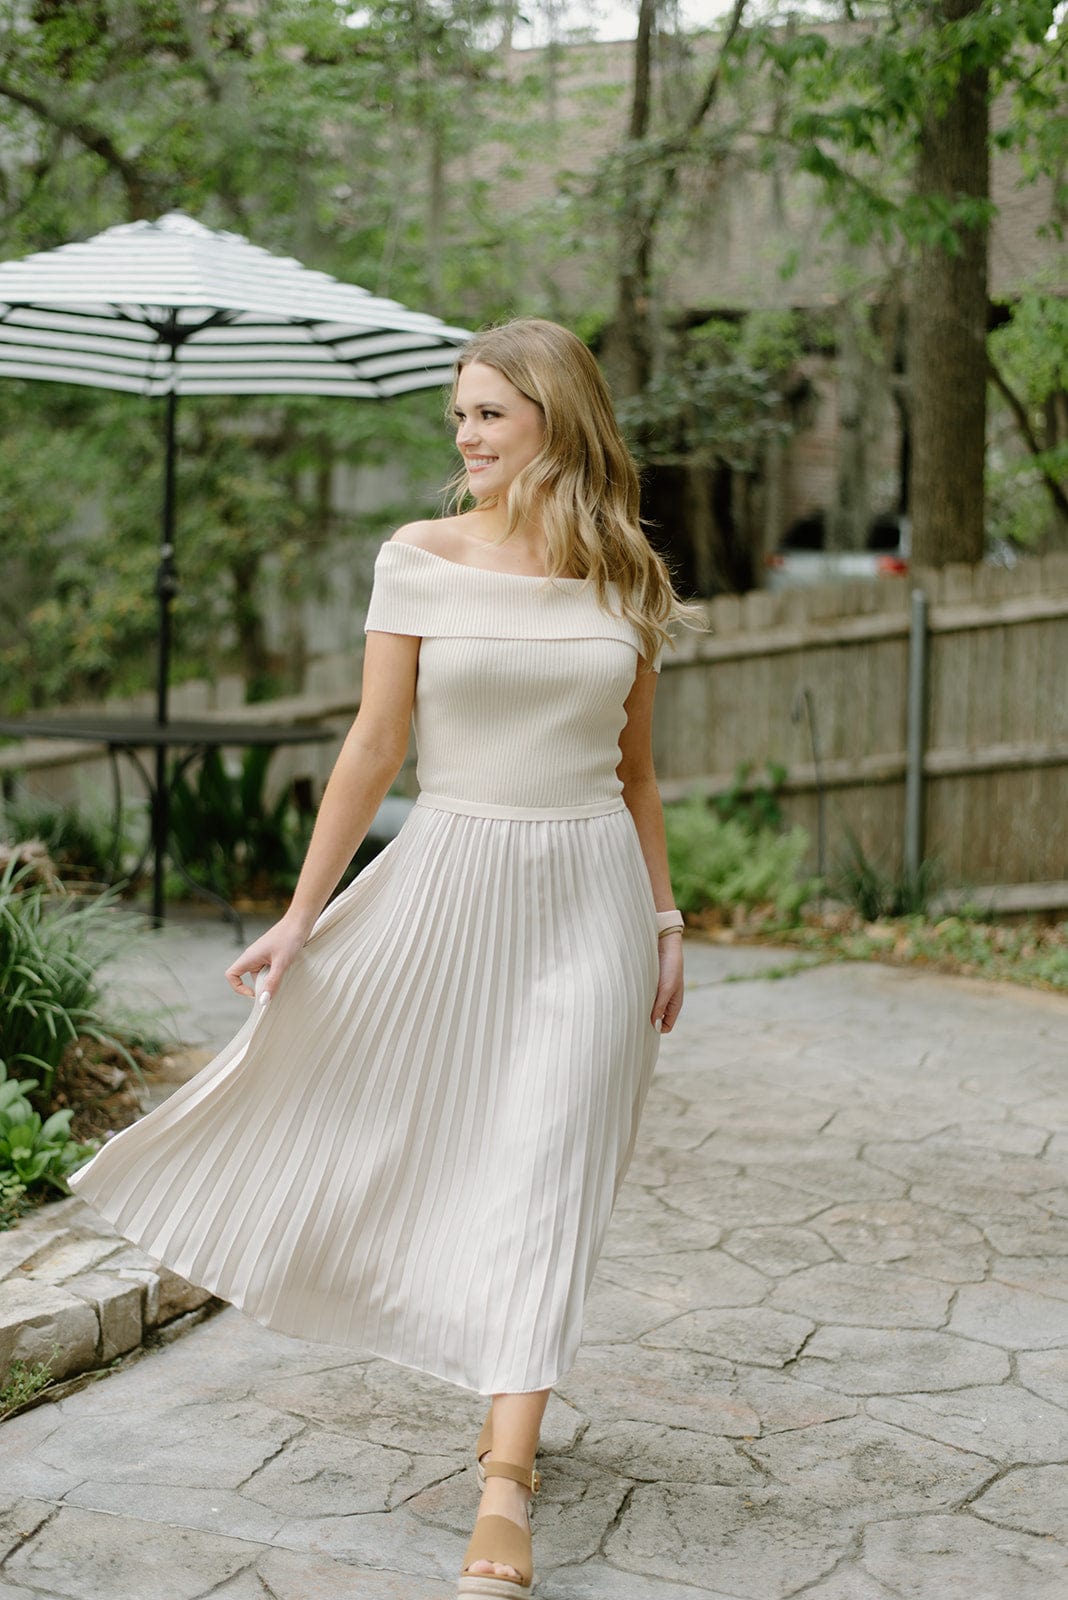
(916, 733)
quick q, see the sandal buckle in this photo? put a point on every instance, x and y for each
(535, 1480)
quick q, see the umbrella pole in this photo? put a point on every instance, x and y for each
(166, 589)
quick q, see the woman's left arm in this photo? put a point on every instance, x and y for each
(642, 799)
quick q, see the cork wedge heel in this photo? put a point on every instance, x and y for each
(499, 1539)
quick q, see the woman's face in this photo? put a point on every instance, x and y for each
(498, 430)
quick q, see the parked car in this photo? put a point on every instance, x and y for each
(802, 559)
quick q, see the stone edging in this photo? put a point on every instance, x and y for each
(75, 1295)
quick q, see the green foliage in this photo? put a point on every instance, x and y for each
(35, 1152)
(1031, 346)
(24, 1383)
(228, 835)
(854, 105)
(78, 613)
(876, 890)
(52, 954)
(1029, 353)
(1026, 954)
(755, 805)
(722, 397)
(79, 841)
(716, 862)
(13, 1202)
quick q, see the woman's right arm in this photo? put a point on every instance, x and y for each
(370, 758)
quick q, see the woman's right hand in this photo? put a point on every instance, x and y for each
(275, 950)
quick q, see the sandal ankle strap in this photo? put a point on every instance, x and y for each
(529, 1477)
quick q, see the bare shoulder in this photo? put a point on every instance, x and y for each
(440, 535)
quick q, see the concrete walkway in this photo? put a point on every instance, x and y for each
(826, 1353)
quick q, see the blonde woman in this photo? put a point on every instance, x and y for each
(414, 1145)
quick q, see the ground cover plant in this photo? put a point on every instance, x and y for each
(70, 1061)
(739, 876)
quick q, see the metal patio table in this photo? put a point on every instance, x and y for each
(127, 736)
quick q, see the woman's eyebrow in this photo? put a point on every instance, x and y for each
(483, 405)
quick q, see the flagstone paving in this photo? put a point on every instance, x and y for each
(826, 1350)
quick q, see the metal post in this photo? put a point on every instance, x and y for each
(916, 734)
(166, 589)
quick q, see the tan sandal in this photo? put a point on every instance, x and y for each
(483, 1446)
(503, 1541)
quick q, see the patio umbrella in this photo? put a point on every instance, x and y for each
(171, 308)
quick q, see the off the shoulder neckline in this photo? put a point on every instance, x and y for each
(489, 572)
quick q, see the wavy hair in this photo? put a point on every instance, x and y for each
(583, 483)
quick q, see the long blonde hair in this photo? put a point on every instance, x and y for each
(583, 483)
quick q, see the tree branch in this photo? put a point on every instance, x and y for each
(1027, 433)
(140, 192)
(669, 175)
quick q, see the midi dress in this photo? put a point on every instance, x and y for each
(414, 1150)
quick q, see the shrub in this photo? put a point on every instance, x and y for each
(755, 805)
(732, 863)
(81, 842)
(53, 949)
(226, 833)
(34, 1152)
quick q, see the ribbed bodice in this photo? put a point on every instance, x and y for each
(521, 686)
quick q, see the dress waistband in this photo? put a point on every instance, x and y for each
(479, 808)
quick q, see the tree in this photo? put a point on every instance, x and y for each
(277, 118)
(895, 125)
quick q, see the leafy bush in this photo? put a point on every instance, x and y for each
(34, 1151)
(754, 805)
(52, 952)
(732, 863)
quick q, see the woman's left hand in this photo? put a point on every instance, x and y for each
(668, 1002)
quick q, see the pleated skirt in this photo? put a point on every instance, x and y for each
(414, 1150)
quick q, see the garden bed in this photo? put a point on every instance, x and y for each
(1029, 954)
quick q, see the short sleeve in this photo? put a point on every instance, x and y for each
(398, 602)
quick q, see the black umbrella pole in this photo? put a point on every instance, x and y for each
(166, 588)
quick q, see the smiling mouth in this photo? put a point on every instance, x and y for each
(476, 463)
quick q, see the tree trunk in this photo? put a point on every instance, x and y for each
(947, 330)
(628, 342)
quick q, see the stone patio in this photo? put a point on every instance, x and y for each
(826, 1352)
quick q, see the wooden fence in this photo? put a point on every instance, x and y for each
(995, 767)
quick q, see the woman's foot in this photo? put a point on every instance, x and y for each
(502, 1498)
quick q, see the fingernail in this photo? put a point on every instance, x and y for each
(264, 997)
(658, 1024)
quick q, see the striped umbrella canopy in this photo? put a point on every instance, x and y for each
(171, 308)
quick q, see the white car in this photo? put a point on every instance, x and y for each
(801, 558)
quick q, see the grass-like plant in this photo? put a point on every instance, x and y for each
(229, 835)
(25, 1384)
(877, 890)
(80, 841)
(53, 949)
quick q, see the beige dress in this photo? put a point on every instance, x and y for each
(415, 1149)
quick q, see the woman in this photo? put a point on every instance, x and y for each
(413, 1146)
